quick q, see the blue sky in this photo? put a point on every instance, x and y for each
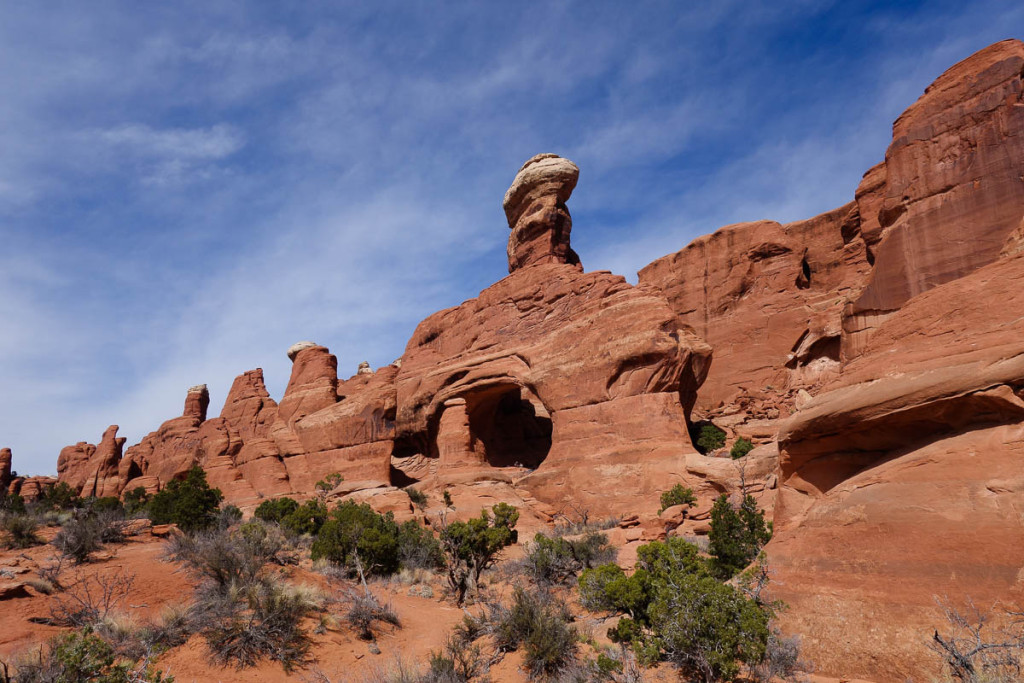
(188, 188)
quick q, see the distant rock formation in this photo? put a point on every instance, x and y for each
(92, 469)
(6, 474)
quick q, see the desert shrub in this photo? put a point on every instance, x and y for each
(276, 510)
(575, 519)
(471, 547)
(58, 496)
(190, 502)
(608, 589)
(136, 500)
(81, 656)
(228, 557)
(11, 502)
(978, 645)
(80, 537)
(328, 484)
(306, 519)
(418, 548)
(707, 628)
(709, 438)
(365, 610)
(52, 570)
(250, 622)
(105, 504)
(538, 623)
(555, 560)
(737, 535)
(781, 661)
(228, 516)
(675, 609)
(459, 662)
(171, 629)
(677, 495)
(446, 498)
(418, 498)
(20, 531)
(359, 539)
(92, 599)
(741, 448)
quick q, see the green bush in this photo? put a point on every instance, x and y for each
(677, 495)
(710, 438)
(539, 624)
(737, 535)
(418, 498)
(105, 504)
(708, 628)
(20, 531)
(58, 496)
(136, 500)
(741, 448)
(306, 519)
(675, 609)
(471, 547)
(418, 548)
(11, 502)
(81, 656)
(555, 560)
(190, 502)
(608, 589)
(356, 536)
(276, 510)
(328, 484)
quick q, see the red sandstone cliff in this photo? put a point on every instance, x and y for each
(902, 315)
(875, 353)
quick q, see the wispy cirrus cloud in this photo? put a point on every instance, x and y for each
(186, 191)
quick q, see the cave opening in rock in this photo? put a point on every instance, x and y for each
(509, 426)
(803, 278)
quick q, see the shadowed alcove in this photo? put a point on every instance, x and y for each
(509, 426)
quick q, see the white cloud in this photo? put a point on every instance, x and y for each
(182, 144)
(184, 197)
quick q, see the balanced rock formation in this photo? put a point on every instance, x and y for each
(547, 378)
(536, 212)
